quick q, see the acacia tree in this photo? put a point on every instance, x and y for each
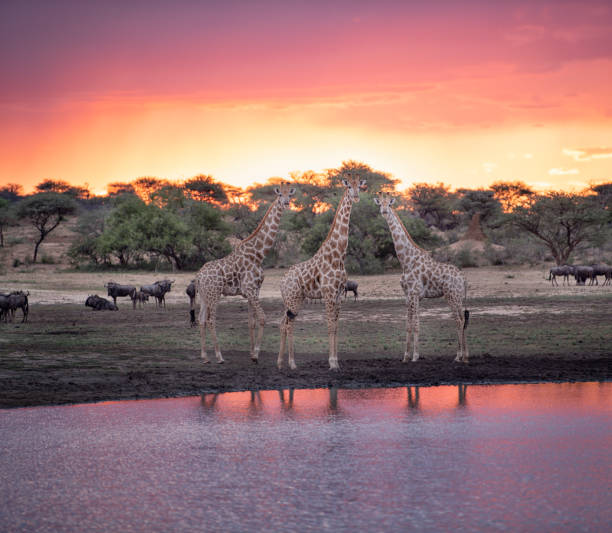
(433, 203)
(63, 187)
(119, 188)
(561, 220)
(147, 186)
(5, 217)
(205, 189)
(45, 211)
(11, 192)
(481, 202)
(512, 194)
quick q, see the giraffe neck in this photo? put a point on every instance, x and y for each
(406, 249)
(262, 239)
(337, 238)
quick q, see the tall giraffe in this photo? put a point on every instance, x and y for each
(321, 276)
(240, 273)
(424, 277)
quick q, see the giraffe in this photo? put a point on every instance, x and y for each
(321, 276)
(424, 277)
(240, 273)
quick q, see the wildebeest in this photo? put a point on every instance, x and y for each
(351, 286)
(139, 298)
(158, 290)
(582, 273)
(97, 303)
(565, 270)
(191, 292)
(19, 300)
(601, 270)
(115, 289)
(4, 306)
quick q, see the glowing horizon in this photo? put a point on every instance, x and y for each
(465, 95)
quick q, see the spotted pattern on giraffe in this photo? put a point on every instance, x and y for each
(424, 277)
(240, 273)
(321, 277)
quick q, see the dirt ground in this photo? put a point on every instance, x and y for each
(521, 330)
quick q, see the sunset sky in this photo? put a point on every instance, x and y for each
(466, 93)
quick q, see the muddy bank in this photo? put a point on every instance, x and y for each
(66, 353)
(238, 374)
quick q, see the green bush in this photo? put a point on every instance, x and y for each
(465, 258)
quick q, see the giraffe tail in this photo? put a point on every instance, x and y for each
(466, 316)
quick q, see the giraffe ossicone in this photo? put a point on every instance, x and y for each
(321, 277)
(424, 277)
(240, 273)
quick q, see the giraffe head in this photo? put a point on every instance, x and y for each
(284, 192)
(354, 184)
(385, 201)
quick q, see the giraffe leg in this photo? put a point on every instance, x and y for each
(212, 325)
(460, 334)
(203, 319)
(290, 345)
(456, 305)
(283, 338)
(332, 308)
(415, 330)
(466, 353)
(412, 329)
(252, 330)
(294, 301)
(259, 319)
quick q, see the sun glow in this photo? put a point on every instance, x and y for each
(221, 97)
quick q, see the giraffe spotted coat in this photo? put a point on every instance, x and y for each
(240, 273)
(321, 277)
(424, 277)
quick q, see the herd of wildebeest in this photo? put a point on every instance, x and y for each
(581, 274)
(158, 290)
(9, 303)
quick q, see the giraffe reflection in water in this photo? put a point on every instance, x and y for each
(259, 400)
(413, 396)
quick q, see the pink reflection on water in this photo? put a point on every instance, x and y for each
(431, 401)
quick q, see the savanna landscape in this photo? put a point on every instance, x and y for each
(521, 329)
(451, 160)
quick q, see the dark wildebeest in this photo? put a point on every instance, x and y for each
(351, 286)
(158, 290)
(19, 300)
(139, 298)
(601, 270)
(115, 289)
(565, 270)
(582, 273)
(97, 303)
(4, 306)
(191, 292)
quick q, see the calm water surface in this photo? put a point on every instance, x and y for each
(532, 457)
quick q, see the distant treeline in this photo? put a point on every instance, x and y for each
(150, 221)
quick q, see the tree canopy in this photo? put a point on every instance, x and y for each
(45, 211)
(561, 220)
(185, 223)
